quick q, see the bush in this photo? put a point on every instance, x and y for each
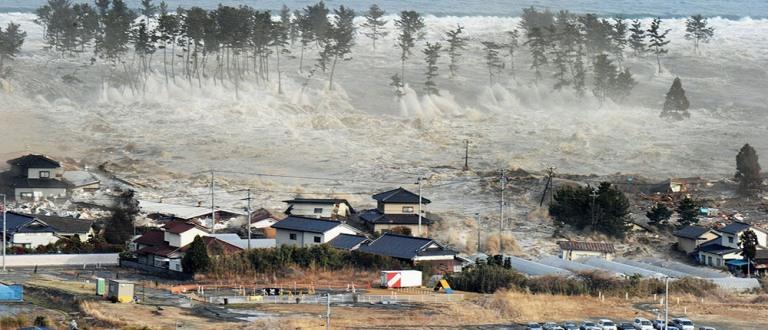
(486, 278)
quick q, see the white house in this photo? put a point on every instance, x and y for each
(573, 250)
(30, 231)
(718, 251)
(32, 177)
(321, 208)
(304, 232)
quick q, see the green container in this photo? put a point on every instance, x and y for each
(101, 286)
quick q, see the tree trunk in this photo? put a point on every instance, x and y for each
(279, 78)
(301, 59)
(173, 61)
(333, 69)
(165, 63)
(658, 61)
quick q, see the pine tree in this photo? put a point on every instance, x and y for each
(622, 85)
(696, 29)
(560, 62)
(658, 40)
(688, 212)
(512, 44)
(538, 46)
(619, 39)
(148, 9)
(431, 55)
(456, 44)
(59, 25)
(579, 74)
(748, 171)
(196, 259)
(492, 60)
(374, 24)
(87, 26)
(11, 41)
(342, 37)
(748, 244)
(676, 103)
(280, 35)
(410, 25)
(659, 214)
(637, 38)
(604, 74)
(604, 209)
(167, 29)
(305, 29)
(597, 34)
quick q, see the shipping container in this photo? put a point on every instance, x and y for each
(400, 278)
(120, 291)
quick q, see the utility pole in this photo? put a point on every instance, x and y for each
(594, 195)
(328, 312)
(5, 230)
(248, 219)
(666, 302)
(466, 155)
(550, 174)
(503, 183)
(213, 206)
(418, 181)
(477, 216)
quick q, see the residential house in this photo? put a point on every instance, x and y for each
(31, 231)
(304, 232)
(574, 250)
(165, 247)
(173, 212)
(256, 243)
(261, 223)
(348, 242)
(690, 238)
(761, 262)
(718, 251)
(33, 177)
(414, 250)
(320, 208)
(397, 211)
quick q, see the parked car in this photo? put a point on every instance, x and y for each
(626, 326)
(707, 328)
(552, 326)
(671, 326)
(683, 324)
(606, 324)
(642, 324)
(533, 326)
(570, 326)
(589, 325)
(658, 324)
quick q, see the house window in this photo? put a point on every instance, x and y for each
(407, 209)
(719, 262)
(318, 210)
(27, 195)
(45, 174)
(292, 236)
(730, 239)
(709, 261)
(318, 239)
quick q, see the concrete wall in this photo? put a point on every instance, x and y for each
(33, 240)
(30, 260)
(327, 211)
(385, 227)
(40, 192)
(34, 173)
(576, 255)
(397, 208)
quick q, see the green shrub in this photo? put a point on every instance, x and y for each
(486, 278)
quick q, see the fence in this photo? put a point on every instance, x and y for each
(11, 292)
(338, 299)
(31, 260)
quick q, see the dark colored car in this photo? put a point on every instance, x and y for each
(626, 326)
(570, 326)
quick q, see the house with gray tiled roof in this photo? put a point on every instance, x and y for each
(397, 211)
(32, 177)
(689, 238)
(304, 232)
(414, 250)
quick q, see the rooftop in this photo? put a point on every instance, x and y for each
(692, 232)
(735, 227)
(375, 216)
(316, 201)
(67, 225)
(405, 247)
(178, 227)
(310, 225)
(587, 246)
(34, 161)
(713, 246)
(400, 195)
(348, 242)
(180, 211)
(152, 237)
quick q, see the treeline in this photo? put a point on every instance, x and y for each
(229, 44)
(281, 259)
(11, 40)
(491, 277)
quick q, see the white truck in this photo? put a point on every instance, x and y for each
(400, 279)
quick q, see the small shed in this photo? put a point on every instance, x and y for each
(120, 291)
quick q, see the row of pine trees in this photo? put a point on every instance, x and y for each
(229, 44)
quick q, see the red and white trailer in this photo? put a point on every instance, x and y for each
(400, 279)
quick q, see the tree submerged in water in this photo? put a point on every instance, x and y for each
(676, 104)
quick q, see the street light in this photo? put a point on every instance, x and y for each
(5, 232)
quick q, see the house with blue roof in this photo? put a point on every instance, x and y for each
(30, 231)
(305, 232)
